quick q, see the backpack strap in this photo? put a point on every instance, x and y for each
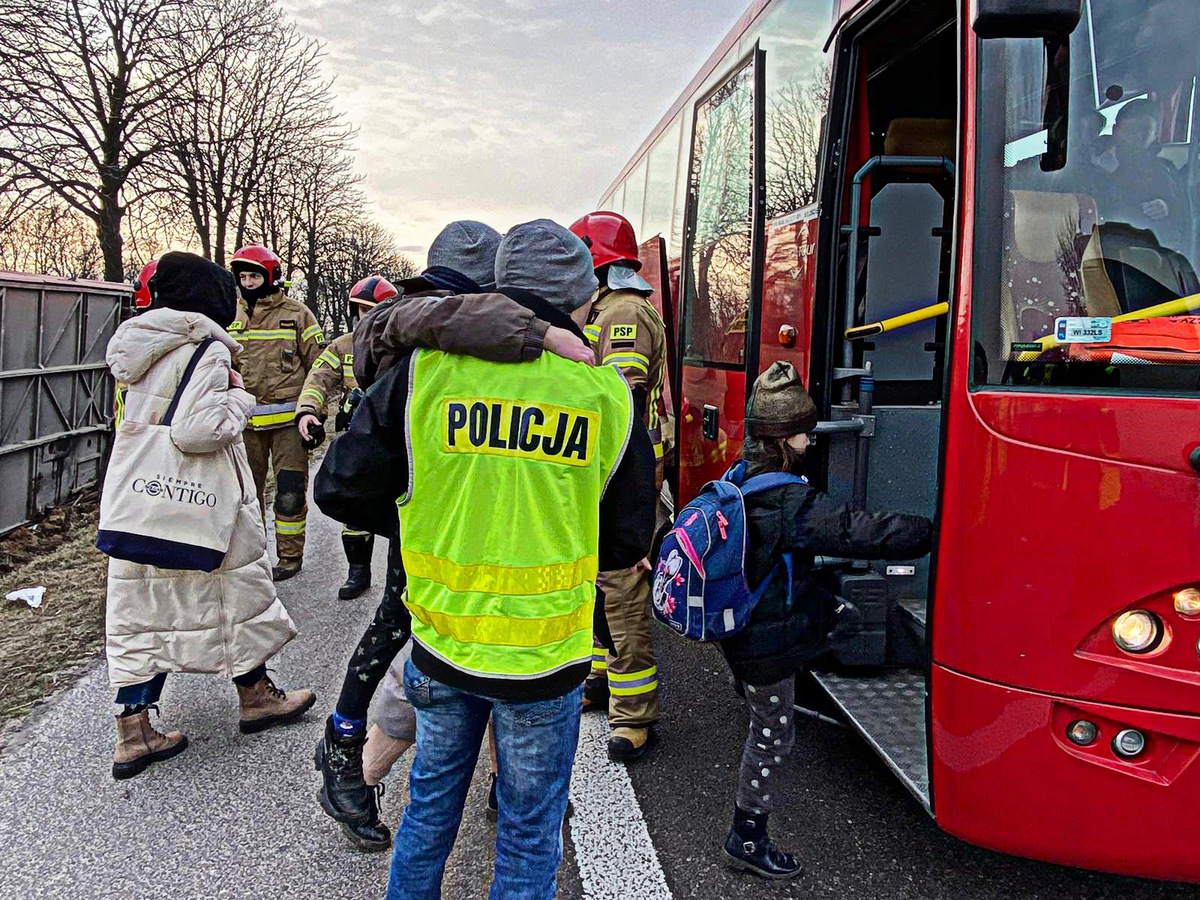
(769, 480)
(784, 565)
(187, 376)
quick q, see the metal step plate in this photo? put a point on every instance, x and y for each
(915, 609)
(888, 710)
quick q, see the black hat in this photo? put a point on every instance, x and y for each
(190, 283)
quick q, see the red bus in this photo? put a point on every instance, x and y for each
(974, 228)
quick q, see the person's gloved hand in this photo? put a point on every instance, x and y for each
(312, 431)
(342, 420)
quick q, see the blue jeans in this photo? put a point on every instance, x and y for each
(146, 693)
(535, 744)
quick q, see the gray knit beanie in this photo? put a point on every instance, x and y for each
(779, 405)
(546, 259)
(470, 248)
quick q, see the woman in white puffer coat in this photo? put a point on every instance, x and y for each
(228, 621)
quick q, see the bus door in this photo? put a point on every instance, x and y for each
(892, 195)
(721, 278)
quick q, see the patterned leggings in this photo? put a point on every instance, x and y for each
(772, 733)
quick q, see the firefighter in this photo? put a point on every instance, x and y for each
(332, 376)
(628, 334)
(281, 340)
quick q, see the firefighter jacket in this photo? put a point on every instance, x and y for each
(628, 334)
(281, 340)
(331, 378)
(519, 447)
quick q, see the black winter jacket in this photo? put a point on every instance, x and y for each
(779, 640)
(366, 469)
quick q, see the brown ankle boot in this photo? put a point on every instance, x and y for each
(381, 752)
(139, 745)
(264, 705)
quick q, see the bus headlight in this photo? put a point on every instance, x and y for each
(1187, 602)
(1081, 732)
(1137, 631)
(1129, 743)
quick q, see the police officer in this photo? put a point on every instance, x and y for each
(332, 377)
(516, 482)
(281, 341)
(628, 334)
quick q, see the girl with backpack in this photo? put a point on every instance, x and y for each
(781, 637)
(222, 616)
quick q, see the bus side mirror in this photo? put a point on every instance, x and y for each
(1026, 18)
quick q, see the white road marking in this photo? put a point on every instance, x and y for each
(616, 858)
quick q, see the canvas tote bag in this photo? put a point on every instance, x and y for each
(163, 507)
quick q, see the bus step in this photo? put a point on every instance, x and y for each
(913, 614)
(888, 709)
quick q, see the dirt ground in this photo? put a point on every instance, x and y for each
(42, 650)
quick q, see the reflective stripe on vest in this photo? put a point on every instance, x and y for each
(500, 528)
(267, 414)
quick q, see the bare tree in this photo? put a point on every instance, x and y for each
(352, 250)
(81, 84)
(794, 121)
(254, 106)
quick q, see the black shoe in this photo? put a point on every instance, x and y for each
(760, 858)
(357, 582)
(345, 796)
(493, 804)
(287, 568)
(595, 695)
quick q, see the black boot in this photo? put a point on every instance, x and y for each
(748, 849)
(344, 795)
(358, 554)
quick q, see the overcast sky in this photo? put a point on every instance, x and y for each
(504, 110)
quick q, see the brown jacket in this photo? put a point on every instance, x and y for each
(280, 341)
(488, 326)
(331, 378)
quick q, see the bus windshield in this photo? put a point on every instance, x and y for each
(1087, 272)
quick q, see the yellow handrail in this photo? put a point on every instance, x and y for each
(924, 314)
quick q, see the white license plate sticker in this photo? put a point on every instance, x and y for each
(1083, 330)
(902, 570)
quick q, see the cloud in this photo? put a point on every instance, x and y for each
(504, 110)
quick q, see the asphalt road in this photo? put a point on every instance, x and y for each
(235, 816)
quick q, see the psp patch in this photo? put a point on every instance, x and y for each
(522, 430)
(622, 332)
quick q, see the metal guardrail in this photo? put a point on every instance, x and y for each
(56, 395)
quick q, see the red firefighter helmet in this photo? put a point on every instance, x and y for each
(372, 291)
(141, 287)
(257, 258)
(610, 238)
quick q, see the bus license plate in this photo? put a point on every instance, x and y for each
(1083, 330)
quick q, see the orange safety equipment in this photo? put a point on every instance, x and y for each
(257, 257)
(372, 290)
(610, 237)
(141, 287)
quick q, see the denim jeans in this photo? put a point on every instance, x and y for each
(535, 743)
(146, 693)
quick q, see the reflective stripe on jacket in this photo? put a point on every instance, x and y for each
(280, 342)
(500, 586)
(331, 377)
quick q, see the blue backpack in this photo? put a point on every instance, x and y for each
(700, 587)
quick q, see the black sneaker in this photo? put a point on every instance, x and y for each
(760, 858)
(493, 804)
(344, 795)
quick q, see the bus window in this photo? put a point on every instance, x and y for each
(1087, 276)
(718, 267)
(635, 196)
(660, 184)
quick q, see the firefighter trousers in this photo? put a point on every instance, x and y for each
(631, 671)
(280, 449)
